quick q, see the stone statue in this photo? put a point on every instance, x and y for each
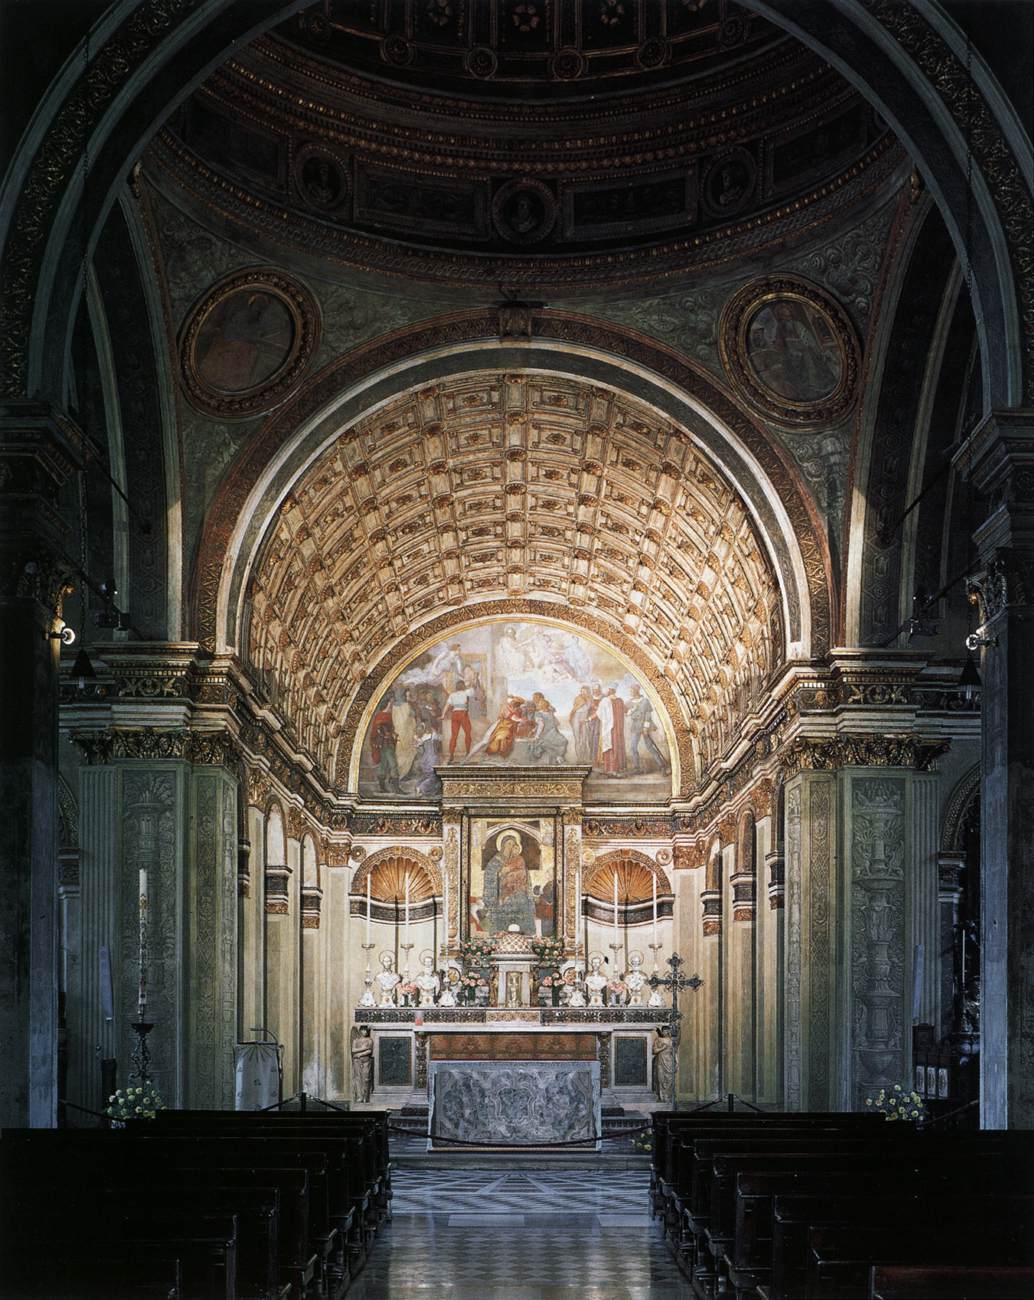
(362, 1063)
(595, 982)
(427, 981)
(386, 980)
(635, 980)
(663, 1064)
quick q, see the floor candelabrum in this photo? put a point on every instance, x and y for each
(676, 981)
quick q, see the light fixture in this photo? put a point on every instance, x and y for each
(969, 681)
(82, 669)
(979, 640)
(65, 634)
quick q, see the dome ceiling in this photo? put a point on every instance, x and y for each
(323, 139)
(511, 488)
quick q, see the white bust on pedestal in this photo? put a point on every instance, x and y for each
(427, 981)
(635, 980)
(386, 980)
(595, 981)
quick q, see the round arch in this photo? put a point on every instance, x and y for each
(125, 78)
(564, 344)
(389, 865)
(635, 871)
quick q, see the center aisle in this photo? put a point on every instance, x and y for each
(489, 1234)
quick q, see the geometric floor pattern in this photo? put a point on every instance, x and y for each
(492, 1234)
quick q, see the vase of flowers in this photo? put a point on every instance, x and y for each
(473, 987)
(549, 988)
(897, 1103)
(133, 1103)
(548, 951)
(408, 994)
(617, 992)
(477, 950)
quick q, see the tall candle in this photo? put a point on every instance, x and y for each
(615, 908)
(655, 918)
(407, 907)
(369, 875)
(142, 1004)
(445, 909)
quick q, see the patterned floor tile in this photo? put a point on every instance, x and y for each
(515, 1235)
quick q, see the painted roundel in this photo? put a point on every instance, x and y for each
(248, 342)
(791, 350)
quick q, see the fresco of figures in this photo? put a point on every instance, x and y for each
(517, 693)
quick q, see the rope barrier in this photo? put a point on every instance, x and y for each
(522, 1146)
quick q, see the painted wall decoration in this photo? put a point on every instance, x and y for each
(791, 349)
(513, 878)
(513, 694)
(248, 342)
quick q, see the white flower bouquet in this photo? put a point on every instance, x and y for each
(134, 1103)
(897, 1103)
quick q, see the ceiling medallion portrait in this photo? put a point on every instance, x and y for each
(791, 350)
(248, 343)
(524, 211)
(322, 178)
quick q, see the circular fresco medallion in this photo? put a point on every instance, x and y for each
(524, 211)
(321, 178)
(791, 349)
(248, 342)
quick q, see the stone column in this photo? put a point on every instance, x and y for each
(709, 1071)
(37, 453)
(1000, 457)
(809, 989)
(741, 1001)
(212, 936)
(770, 966)
(278, 947)
(888, 917)
(133, 815)
(312, 982)
(251, 938)
(949, 893)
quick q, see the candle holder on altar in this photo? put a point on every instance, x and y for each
(141, 1055)
(407, 948)
(368, 999)
(655, 999)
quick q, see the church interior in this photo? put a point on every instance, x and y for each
(517, 611)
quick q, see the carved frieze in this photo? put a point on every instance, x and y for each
(829, 754)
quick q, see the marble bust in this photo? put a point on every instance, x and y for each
(386, 980)
(427, 981)
(635, 980)
(595, 982)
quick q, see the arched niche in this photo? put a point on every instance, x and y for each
(276, 837)
(386, 871)
(310, 863)
(635, 874)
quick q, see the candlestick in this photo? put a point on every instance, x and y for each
(405, 969)
(615, 939)
(368, 902)
(655, 999)
(407, 943)
(654, 944)
(445, 909)
(142, 1001)
(368, 999)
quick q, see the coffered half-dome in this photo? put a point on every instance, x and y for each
(511, 493)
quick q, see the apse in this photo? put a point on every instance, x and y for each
(501, 495)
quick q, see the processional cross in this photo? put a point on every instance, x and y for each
(676, 981)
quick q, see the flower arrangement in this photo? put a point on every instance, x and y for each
(477, 950)
(553, 980)
(469, 985)
(643, 1141)
(408, 990)
(548, 951)
(617, 991)
(898, 1103)
(134, 1103)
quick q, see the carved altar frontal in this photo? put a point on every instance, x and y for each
(512, 1047)
(520, 1103)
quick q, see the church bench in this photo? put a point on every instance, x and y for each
(841, 1259)
(82, 1161)
(364, 1154)
(742, 1234)
(962, 1282)
(955, 1206)
(204, 1251)
(356, 1198)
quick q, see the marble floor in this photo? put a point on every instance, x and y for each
(495, 1234)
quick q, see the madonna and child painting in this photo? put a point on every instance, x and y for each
(516, 694)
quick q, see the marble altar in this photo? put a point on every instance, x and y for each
(522, 1103)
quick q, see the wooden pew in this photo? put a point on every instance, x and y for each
(841, 1259)
(964, 1282)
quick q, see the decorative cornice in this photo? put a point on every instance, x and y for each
(807, 754)
(155, 743)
